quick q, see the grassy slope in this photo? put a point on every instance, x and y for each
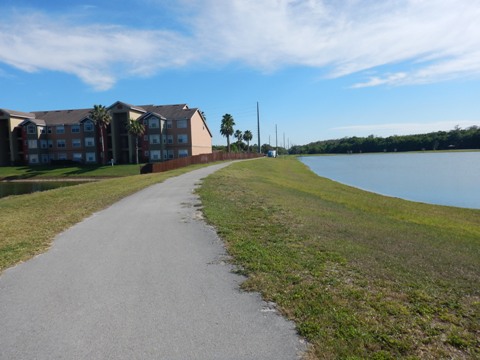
(363, 276)
(30, 222)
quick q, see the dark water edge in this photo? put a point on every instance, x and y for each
(9, 188)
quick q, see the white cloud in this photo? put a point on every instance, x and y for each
(97, 54)
(402, 41)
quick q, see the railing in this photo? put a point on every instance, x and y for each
(196, 159)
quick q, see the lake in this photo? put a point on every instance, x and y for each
(444, 178)
(26, 187)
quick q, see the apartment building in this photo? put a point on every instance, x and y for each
(44, 137)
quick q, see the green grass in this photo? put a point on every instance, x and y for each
(362, 275)
(48, 172)
(30, 222)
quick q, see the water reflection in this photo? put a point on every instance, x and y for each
(8, 188)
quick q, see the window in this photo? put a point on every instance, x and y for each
(88, 126)
(43, 130)
(49, 130)
(170, 154)
(182, 138)
(77, 157)
(89, 141)
(145, 137)
(147, 153)
(61, 144)
(45, 158)
(33, 159)
(182, 153)
(75, 129)
(169, 124)
(169, 139)
(153, 122)
(155, 155)
(32, 144)
(31, 129)
(50, 144)
(182, 124)
(76, 143)
(90, 156)
(62, 156)
(154, 139)
(44, 144)
(60, 129)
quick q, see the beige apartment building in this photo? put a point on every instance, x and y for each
(49, 137)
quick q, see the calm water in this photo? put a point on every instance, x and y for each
(27, 187)
(437, 178)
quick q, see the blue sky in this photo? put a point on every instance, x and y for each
(320, 69)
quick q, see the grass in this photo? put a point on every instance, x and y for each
(30, 222)
(81, 171)
(362, 275)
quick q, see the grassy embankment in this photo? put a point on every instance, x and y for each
(362, 275)
(30, 222)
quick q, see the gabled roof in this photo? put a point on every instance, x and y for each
(171, 112)
(148, 114)
(60, 117)
(37, 122)
(76, 116)
(132, 107)
(17, 113)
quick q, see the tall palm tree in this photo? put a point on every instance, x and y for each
(226, 128)
(247, 136)
(101, 117)
(239, 136)
(136, 129)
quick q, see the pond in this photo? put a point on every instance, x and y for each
(8, 188)
(443, 178)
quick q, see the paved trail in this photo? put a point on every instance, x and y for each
(143, 279)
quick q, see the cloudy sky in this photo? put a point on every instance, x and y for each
(320, 69)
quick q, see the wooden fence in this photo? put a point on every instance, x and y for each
(196, 159)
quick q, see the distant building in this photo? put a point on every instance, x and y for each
(44, 137)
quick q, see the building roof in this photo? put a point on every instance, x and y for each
(37, 122)
(61, 117)
(75, 116)
(171, 112)
(17, 113)
(148, 114)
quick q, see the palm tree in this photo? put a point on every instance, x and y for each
(101, 117)
(136, 129)
(239, 136)
(226, 128)
(247, 136)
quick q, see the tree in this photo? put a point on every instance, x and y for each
(247, 136)
(226, 128)
(239, 136)
(136, 129)
(101, 117)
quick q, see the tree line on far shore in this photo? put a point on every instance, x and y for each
(441, 140)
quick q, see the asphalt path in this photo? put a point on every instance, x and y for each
(145, 278)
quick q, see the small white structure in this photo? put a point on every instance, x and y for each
(272, 153)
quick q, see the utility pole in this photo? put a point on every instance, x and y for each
(258, 129)
(276, 140)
